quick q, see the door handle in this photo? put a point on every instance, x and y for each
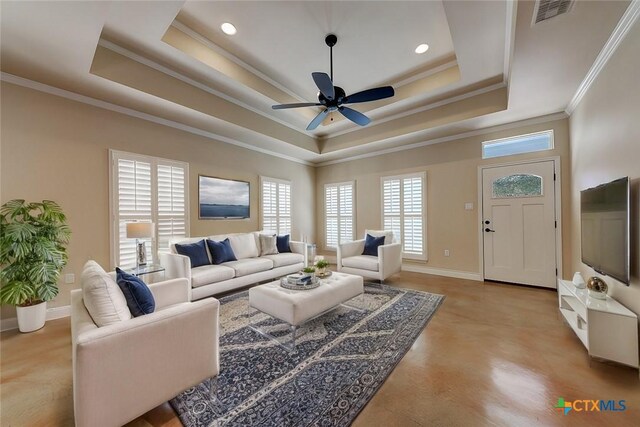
(488, 230)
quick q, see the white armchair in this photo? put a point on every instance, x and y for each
(122, 370)
(388, 262)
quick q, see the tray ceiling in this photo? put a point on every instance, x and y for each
(169, 60)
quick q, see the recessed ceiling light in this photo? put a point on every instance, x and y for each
(422, 48)
(228, 28)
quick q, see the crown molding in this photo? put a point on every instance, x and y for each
(497, 128)
(629, 18)
(424, 74)
(509, 39)
(41, 87)
(231, 57)
(161, 68)
(420, 109)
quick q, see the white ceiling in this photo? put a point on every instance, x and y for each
(285, 40)
(54, 43)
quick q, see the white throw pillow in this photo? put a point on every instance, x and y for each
(268, 244)
(388, 235)
(102, 296)
(244, 246)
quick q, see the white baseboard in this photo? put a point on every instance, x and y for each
(8, 324)
(52, 313)
(442, 272)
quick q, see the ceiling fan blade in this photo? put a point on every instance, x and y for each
(324, 83)
(319, 118)
(304, 104)
(355, 116)
(370, 95)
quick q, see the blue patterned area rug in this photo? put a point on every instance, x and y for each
(341, 360)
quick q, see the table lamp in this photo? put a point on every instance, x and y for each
(140, 230)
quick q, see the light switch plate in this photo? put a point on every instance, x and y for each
(69, 278)
(468, 206)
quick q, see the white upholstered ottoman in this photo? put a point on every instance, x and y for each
(297, 307)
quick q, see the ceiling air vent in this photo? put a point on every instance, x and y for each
(547, 9)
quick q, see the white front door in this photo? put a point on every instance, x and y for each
(518, 207)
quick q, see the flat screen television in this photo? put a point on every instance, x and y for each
(605, 223)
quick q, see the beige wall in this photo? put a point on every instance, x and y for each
(54, 148)
(452, 180)
(605, 145)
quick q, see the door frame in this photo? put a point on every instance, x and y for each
(558, 207)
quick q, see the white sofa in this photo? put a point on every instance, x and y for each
(250, 268)
(127, 368)
(388, 262)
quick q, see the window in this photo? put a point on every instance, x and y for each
(403, 212)
(276, 205)
(518, 145)
(147, 189)
(339, 212)
(519, 185)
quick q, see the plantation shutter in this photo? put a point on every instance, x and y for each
(147, 189)
(284, 208)
(276, 205)
(172, 209)
(339, 212)
(134, 204)
(391, 207)
(403, 212)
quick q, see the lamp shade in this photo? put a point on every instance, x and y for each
(139, 230)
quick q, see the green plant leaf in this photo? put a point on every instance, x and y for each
(12, 206)
(33, 242)
(16, 293)
(47, 291)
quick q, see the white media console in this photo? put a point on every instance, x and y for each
(606, 328)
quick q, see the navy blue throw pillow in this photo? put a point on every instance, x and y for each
(282, 242)
(138, 295)
(371, 245)
(197, 253)
(221, 251)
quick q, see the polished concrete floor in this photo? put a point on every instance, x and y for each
(493, 355)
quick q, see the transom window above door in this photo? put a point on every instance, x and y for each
(520, 144)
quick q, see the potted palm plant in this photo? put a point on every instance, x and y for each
(33, 242)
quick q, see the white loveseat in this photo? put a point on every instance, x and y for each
(249, 268)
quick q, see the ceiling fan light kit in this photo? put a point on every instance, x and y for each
(333, 98)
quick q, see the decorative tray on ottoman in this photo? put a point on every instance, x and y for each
(324, 275)
(315, 282)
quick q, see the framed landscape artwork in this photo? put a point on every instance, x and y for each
(222, 198)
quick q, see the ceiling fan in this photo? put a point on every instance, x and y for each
(333, 98)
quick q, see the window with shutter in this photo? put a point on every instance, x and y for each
(339, 214)
(276, 205)
(403, 212)
(172, 208)
(147, 189)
